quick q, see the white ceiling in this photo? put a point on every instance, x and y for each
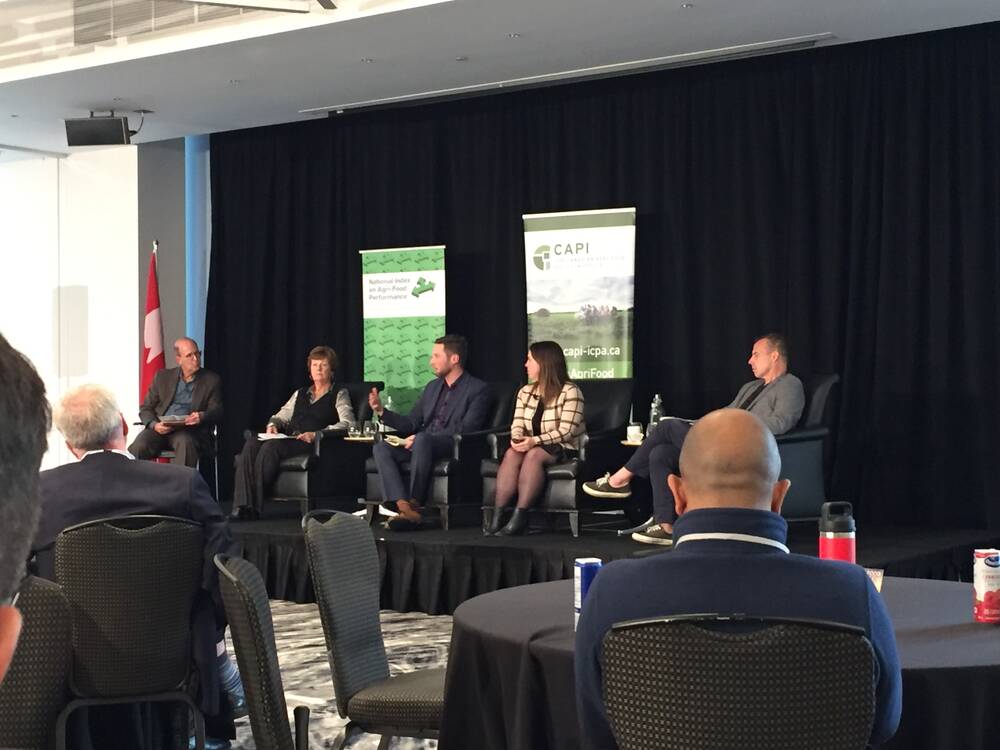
(270, 79)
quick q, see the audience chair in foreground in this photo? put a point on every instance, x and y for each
(345, 573)
(739, 682)
(131, 584)
(36, 687)
(252, 631)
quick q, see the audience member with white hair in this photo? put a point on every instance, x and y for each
(107, 481)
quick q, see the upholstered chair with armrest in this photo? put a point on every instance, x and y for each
(456, 485)
(606, 405)
(334, 471)
(806, 450)
(739, 682)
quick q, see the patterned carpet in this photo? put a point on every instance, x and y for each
(412, 640)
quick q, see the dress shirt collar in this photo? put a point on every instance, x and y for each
(108, 450)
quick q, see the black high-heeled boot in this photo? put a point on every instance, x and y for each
(496, 521)
(517, 524)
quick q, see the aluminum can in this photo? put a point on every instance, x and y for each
(584, 572)
(986, 584)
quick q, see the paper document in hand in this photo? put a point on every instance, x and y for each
(272, 436)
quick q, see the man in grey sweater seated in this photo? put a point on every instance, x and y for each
(775, 395)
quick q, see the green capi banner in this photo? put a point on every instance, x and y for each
(404, 307)
(580, 272)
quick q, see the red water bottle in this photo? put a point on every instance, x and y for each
(836, 532)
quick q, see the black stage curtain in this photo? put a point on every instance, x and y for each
(846, 196)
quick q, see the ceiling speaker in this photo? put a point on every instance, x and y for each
(97, 131)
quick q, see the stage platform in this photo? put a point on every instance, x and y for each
(434, 571)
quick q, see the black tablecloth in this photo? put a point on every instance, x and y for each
(510, 669)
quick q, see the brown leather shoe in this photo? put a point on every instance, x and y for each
(409, 510)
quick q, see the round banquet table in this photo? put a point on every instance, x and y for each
(510, 669)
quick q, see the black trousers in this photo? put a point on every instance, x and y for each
(658, 456)
(257, 468)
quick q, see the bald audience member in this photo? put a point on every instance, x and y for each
(22, 403)
(182, 406)
(730, 556)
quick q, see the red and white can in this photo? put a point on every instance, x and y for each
(986, 583)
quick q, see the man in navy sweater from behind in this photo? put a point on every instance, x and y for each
(730, 556)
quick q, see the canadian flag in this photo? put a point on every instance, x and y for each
(152, 358)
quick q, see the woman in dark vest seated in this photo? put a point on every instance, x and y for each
(312, 409)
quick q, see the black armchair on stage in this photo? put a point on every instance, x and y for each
(249, 614)
(344, 564)
(606, 405)
(36, 687)
(455, 484)
(131, 583)
(334, 470)
(784, 686)
(806, 451)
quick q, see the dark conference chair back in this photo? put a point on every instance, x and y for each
(783, 685)
(252, 631)
(344, 564)
(504, 394)
(821, 395)
(131, 584)
(36, 686)
(359, 397)
(606, 403)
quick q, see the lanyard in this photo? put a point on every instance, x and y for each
(751, 538)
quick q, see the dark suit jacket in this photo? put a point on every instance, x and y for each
(108, 484)
(468, 410)
(206, 397)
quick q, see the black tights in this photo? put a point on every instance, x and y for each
(523, 475)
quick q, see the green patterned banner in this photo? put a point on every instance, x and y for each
(404, 307)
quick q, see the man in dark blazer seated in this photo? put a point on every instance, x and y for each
(453, 403)
(106, 482)
(190, 398)
(730, 556)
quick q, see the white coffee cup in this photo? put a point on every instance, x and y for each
(634, 433)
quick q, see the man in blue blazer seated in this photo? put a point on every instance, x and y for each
(730, 556)
(453, 403)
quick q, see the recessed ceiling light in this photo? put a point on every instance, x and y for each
(687, 5)
(462, 58)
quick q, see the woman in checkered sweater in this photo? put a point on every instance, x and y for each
(548, 423)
